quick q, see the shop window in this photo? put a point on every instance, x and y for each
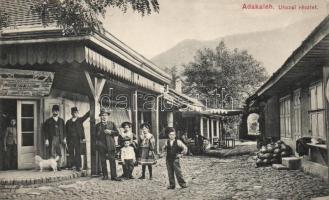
(27, 139)
(285, 117)
(27, 124)
(316, 112)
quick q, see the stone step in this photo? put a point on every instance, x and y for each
(321, 198)
(293, 163)
(31, 177)
(279, 167)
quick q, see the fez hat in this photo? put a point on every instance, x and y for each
(104, 111)
(55, 108)
(74, 109)
(169, 130)
(126, 139)
(145, 125)
(125, 124)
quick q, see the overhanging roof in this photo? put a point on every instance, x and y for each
(307, 59)
(104, 46)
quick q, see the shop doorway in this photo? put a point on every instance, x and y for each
(8, 111)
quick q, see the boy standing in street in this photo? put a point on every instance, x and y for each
(175, 149)
(128, 158)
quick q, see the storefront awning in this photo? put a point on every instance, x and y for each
(182, 101)
(66, 51)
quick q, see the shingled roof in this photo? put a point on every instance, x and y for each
(20, 13)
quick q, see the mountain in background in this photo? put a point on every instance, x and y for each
(271, 48)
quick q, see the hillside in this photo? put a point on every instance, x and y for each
(271, 48)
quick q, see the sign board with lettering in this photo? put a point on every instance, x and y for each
(25, 83)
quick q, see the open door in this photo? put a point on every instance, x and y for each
(26, 133)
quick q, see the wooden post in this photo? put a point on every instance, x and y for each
(211, 132)
(155, 123)
(135, 113)
(208, 134)
(326, 106)
(170, 119)
(96, 87)
(217, 128)
(201, 125)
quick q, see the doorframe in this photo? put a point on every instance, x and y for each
(19, 128)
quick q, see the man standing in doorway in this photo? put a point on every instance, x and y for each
(55, 135)
(105, 142)
(75, 134)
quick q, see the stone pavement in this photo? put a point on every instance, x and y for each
(208, 178)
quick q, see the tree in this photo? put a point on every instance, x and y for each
(173, 71)
(223, 74)
(76, 16)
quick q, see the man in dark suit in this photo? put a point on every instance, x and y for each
(105, 133)
(55, 135)
(75, 134)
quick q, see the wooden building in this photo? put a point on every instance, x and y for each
(293, 103)
(87, 71)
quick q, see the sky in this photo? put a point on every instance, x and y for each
(202, 20)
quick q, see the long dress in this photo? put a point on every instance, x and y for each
(146, 150)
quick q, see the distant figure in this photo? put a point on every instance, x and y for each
(10, 145)
(175, 150)
(199, 141)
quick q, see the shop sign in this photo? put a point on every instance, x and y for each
(25, 83)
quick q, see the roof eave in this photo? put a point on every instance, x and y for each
(321, 31)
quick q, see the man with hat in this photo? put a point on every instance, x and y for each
(55, 135)
(105, 132)
(75, 134)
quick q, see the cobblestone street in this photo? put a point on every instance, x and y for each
(208, 178)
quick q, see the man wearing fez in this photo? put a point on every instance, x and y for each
(105, 143)
(55, 135)
(75, 134)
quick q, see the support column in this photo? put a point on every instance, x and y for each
(135, 113)
(201, 126)
(155, 124)
(217, 128)
(208, 134)
(96, 86)
(170, 119)
(211, 130)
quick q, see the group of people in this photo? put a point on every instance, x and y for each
(57, 133)
(132, 151)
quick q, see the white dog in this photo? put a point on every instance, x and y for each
(50, 163)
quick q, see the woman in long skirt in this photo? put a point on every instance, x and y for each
(146, 149)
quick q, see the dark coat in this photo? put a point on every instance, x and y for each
(302, 147)
(52, 128)
(106, 142)
(75, 130)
